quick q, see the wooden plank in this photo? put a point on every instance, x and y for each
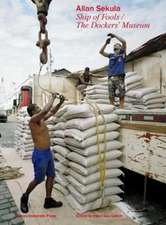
(156, 118)
(144, 126)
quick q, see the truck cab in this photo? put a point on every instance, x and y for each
(25, 97)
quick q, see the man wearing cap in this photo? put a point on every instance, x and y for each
(116, 69)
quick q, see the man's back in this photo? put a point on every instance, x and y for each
(40, 135)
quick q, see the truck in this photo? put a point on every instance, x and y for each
(25, 96)
(3, 115)
(143, 134)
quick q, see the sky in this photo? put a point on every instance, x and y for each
(71, 48)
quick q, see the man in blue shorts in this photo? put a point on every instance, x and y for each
(116, 69)
(42, 157)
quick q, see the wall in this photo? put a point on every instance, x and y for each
(62, 85)
(152, 68)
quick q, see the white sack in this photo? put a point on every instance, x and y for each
(132, 79)
(61, 150)
(109, 173)
(58, 141)
(93, 150)
(110, 136)
(152, 96)
(85, 189)
(63, 169)
(85, 171)
(61, 189)
(85, 110)
(83, 124)
(58, 133)
(92, 160)
(139, 93)
(61, 179)
(59, 126)
(61, 159)
(83, 135)
(99, 203)
(130, 74)
(83, 199)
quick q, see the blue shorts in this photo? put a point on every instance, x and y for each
(43, 163)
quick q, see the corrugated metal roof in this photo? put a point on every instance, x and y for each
(61, 72)
(153, 45)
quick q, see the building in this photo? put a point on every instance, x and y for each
(149, 60)
(58, 81)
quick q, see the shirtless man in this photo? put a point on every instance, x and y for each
(42, 158)
(84, 80)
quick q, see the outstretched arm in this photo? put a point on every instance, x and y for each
(39, 116)
(124, 45)
(55, 108)
(102, 50)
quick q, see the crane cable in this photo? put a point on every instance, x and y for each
(43, 44)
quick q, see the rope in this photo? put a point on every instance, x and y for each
(102, 156)
(40, 86)
(39, 74)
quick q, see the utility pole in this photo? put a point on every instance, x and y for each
(50, 61)
(2, 90)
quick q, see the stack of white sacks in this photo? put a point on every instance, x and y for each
(50, 125)
(23, 140)
(140, 97)
(133, 81)
(137, 96)
(60, 155)
(98, 93)
(91, 155)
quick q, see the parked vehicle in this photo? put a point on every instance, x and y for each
(144, 139)
(25, 96)
(3, 116)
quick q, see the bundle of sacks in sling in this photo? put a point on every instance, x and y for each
(23, 139)
(140, 97)
(88, 153)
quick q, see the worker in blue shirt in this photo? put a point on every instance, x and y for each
(116, 69)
